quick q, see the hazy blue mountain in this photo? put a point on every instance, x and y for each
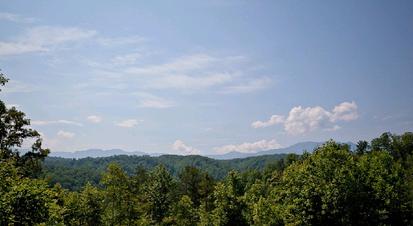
(232, 155)
(94, 153)
(298, 148)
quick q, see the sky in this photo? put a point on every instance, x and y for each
(208, 77)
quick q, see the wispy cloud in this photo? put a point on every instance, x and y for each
(128, 123)
(65, 134)
(52, 122)
(126, 59)
(249, 147)
(188, 82)
(184, 149)
(43, 38)
(197, 72)
(94, 119)
(301, 120)
(252, 85)
(274, 120)
(16, 18)
(147, 100)
(186, 73)
(179, 65)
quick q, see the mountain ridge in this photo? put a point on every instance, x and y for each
(297, 148)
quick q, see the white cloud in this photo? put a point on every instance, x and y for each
(179, 145)
(194, 72)
(65, 134)
(334, 128)
(249, 147)
(301, 120)
(188, 73)
(44, 38)
(345, 111)
(129, 123)
(51, 122)
(179, 65)
(274, 120)
(147, 100)
(94, 119)
(16, 18)
(191, 72)
(189, 82)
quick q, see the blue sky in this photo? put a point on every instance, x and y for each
(207, 77)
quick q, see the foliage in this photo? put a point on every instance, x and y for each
(14, 130)
(23, 201)
(73, 174)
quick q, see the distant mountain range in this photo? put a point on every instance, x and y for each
(94, 153)
(298, 148)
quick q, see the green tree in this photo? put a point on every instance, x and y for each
(116, 195)
(91, 205)
(158, 194)
(23, 201)
(362, 147)
(399, 146)
(265, 213)
(229, 203)
(184, 213)
(333, 187)
(14, 129)
(189, 180)
(381, 194)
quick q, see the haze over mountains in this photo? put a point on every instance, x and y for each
(298, 148)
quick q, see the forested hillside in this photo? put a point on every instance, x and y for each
(74, 173)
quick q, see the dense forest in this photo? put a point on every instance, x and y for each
(73, 174)
(372, 185)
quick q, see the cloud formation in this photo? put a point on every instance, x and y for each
(148, 100)
(192, 72)
(43, 38)
(179, 145)
(346, 111)
(129, 123)
(301, 120)
(16, 18)
(65, 134)
(246, 147)
(274, 120)
(94, 119)
(51, 122)
(117, 41)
